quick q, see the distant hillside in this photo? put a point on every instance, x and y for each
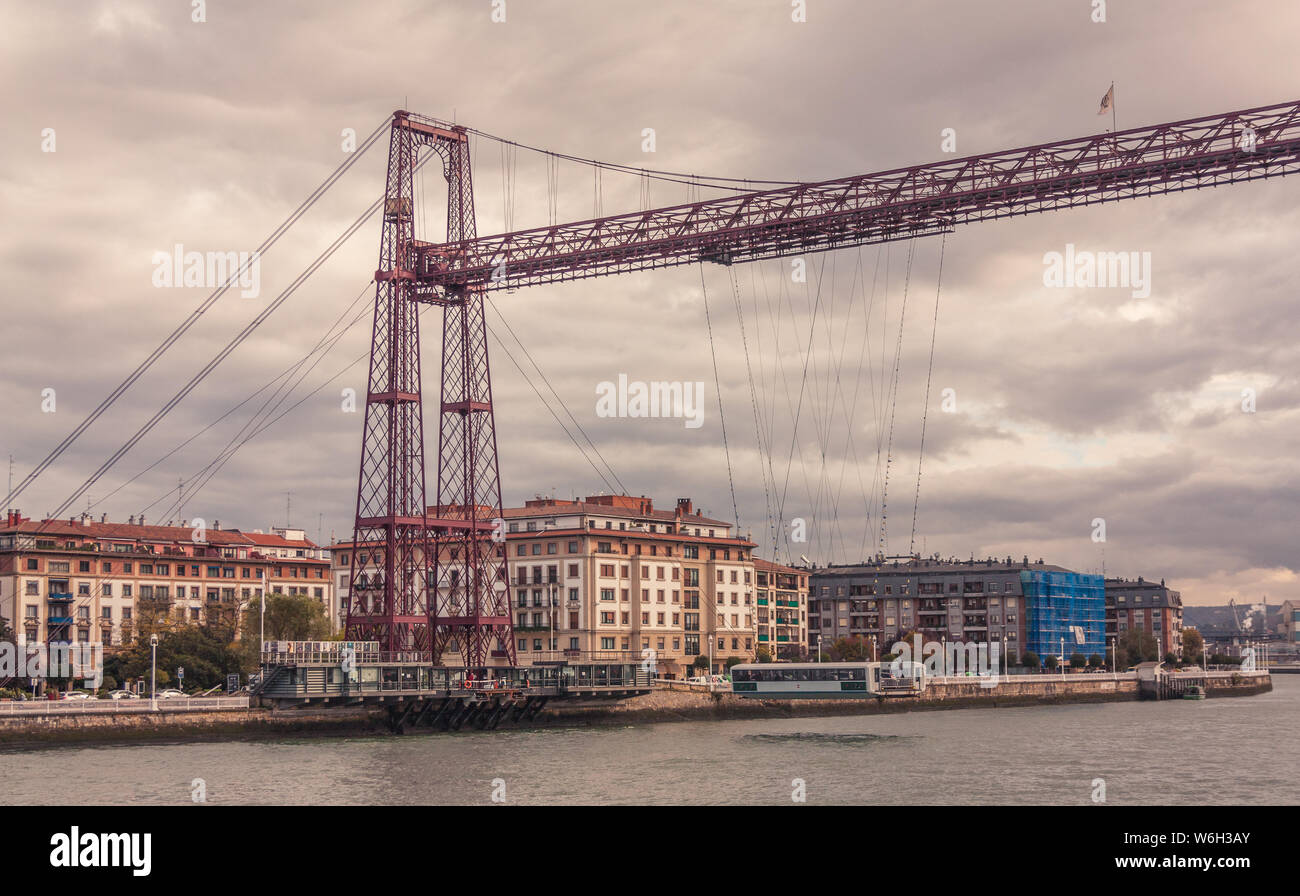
(1221, 619)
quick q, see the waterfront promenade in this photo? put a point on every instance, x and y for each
(55, 722)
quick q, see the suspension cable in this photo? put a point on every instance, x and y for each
(718, 183)
(893, 403)
(925, 407)
(225, 352)
(194, 316)
(717, 383)
(505, 322)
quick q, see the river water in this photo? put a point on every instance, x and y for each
(1219, 751)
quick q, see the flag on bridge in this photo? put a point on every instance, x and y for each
(1107, 101)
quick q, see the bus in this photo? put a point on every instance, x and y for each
(826, 681)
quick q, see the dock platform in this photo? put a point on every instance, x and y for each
(416, 692)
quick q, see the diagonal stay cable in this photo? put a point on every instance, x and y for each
(282, 375)
(194, 316)
(506, 323)
(221, 356)
(273, 402)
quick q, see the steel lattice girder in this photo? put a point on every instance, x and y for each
(870, 208)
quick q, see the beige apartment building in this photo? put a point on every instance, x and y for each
(86, 581)
(782, 608)
(611, 576)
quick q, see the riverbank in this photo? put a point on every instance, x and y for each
(667, 706)
(661, 706)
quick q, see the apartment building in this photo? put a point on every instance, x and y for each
(1289, 628)
(296, 565)
(612, 576)
(87, 581)
(1024, 606)
(781, 613)
(1156, 609)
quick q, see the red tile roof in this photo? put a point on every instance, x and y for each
(768, 566)
(134, 532)
(554, 507)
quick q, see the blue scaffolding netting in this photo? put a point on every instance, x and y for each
(1064, 608)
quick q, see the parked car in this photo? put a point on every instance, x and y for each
(76, 695)
(171, 694)
(123, 695)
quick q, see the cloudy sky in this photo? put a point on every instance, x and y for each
(1069, 405)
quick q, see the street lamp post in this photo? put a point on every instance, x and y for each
(153, 671)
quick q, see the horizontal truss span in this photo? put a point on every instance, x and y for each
(872, 208)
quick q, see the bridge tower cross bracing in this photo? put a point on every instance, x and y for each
(428, 578)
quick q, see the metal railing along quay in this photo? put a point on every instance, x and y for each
(102, 707)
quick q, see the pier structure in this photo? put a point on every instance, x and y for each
(418, 693)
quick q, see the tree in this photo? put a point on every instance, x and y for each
(289, 617)
(701, 662)
(1030, 660)
(6, 633)
(206, 651)
(1052, 662)
(1012, 660)
(762, 655)
(1171, 658)
(1095, 661)
(1136, 646)
(731, 661)
(1078, 660)
(1193, 646)
(849, 650)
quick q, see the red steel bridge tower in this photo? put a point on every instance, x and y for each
(421, 582)
(400, 551)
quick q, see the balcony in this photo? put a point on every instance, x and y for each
(60, 595)
(59, 620)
